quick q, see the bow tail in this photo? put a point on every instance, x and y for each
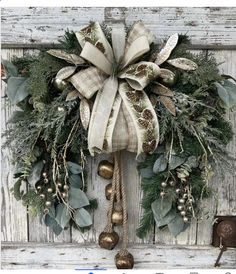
(143, 116)
(100, 115)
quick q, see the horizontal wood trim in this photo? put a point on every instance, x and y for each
(208, 28)
(84, 256)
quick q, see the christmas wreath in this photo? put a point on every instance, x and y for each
(108, 90)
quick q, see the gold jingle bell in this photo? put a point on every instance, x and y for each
(108, 240)
(59, 84)
(124, 260)
(108, 192)
(117, 217)
(105, 169)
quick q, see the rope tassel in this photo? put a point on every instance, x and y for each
(117, 215)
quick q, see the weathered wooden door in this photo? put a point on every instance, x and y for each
(28, 244)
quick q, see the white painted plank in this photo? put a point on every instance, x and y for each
(208, 27)
(90, 256)
(223, 201)
(13, 213)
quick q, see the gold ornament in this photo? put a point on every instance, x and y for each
(178, 190)
(64, 195)
(39, 188)
(181, 201)
(42, 196)
(66, 187)
(172, 183)
(108, 191)
(46, 210)
(105, 169)
(124, 261)
(180, 207)
(164, 184)
(49, 190)
(48, 203)
(117, 217)
(108, 240)
(59, 84)
(185, 219)
(183, 212)
(59, 184)
(162, 193)
(46, 181)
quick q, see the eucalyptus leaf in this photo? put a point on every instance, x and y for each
(77, 198)
(52, 223)
(17, 89)
(35, 173)
(146, 172)
(75, 181)
(166, 219)
(62, 215)
(74, 168)
(160, 164)
(177, 225)
(83, 218)
(11, 69)
(227, 92)
(161, 207)
(176, 161)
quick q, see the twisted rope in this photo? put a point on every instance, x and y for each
(125, 217)
(115, 178)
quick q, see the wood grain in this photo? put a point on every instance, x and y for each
(90, 256)
(39, 26)
(13, 214)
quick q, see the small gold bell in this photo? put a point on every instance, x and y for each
(59, 84)
(108, 191)
(117, 217)
(124, 260)
(108, 240)
(105, 169)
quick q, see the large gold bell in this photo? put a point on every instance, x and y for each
(124, 261)
(108, 240)
(105, 169)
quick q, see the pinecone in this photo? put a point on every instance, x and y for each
(132, 96)
(138, 108)
(149, 146)
(147, 114)
(141, 73)
(149, 135)
(100, 46)
(87, 30)
(141, 67)
(88, 39)
(144, 123)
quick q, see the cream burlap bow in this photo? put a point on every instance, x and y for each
(122, 115)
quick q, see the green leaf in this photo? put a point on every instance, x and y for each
(77, 198)
(11, 70)
(177, 225)
(62, 215)
(17, 89)
(160, 164)
(166, 219)
(16, 190)
(161, 207)
(74, 168)
(176, 161)
(52, 223)
(146, 172)
(35, 173)
(227, 92)
(83, 218)
(75, 181)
